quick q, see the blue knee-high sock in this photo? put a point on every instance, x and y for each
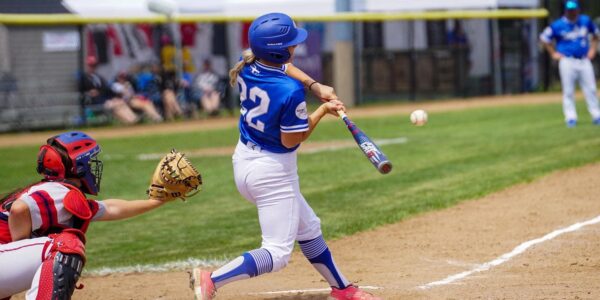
(318, 254)
(250, 264)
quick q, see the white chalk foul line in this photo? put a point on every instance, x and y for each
(367, 287)
(507, 256)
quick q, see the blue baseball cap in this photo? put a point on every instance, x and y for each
(571, 5)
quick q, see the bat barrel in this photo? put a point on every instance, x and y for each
(384, 167)
(368, 147)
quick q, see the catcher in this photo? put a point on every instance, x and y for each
(42, 226)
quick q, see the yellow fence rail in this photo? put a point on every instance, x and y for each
(73, 19)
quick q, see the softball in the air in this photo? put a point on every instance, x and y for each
(418, 117)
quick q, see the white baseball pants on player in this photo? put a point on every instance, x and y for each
(21, 262)
(574, 70)
(271, 182)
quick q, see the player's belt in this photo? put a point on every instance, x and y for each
(250, 144)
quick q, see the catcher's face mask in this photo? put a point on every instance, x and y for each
(92, 175)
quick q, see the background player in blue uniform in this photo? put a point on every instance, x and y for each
(574, 53)
(273, 122)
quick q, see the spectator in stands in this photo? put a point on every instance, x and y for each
(168, 54)
(123, 87)
(188, 97)
(207, 85)
(98, 94)
(152, 86)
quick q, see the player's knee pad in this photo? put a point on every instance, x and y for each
(62, 269)
(70, 241)
(66, 270)
(59, 276)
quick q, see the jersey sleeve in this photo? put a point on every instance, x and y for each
(98, 209)
(34, 211)
(45, 205)
(592, 28)
(295, 114)
(547, 35)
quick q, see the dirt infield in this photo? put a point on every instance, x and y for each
(400, 258)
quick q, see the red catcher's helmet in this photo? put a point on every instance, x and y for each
(72, 155)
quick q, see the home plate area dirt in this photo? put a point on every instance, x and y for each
(402, 260)
(539, 240)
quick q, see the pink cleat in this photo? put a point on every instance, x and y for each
(350, 293)
(202, 284)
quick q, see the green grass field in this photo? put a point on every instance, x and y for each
(457, 156)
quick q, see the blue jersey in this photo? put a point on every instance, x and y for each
(572, 38)
(272, 103)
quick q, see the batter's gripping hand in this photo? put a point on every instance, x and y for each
(174, 177)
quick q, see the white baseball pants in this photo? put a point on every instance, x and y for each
(574, 70)
(271, 182)
(21, 262)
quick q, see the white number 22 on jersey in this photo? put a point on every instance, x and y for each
(261, 109)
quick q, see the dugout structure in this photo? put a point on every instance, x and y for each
(396, 56)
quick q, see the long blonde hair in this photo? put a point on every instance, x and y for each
(247, 58)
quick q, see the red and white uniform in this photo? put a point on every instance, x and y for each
(21, 261)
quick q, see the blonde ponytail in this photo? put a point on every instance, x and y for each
(247, 58)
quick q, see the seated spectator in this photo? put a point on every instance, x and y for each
(188, 97)
(207, 86)
(152, 86)
(97, 93)
(124, 88)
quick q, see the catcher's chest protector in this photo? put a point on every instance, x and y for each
(75, 203)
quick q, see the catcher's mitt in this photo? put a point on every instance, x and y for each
(174, 177)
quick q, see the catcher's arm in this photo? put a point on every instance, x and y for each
(118, 209)
(323, 92)
(19, 222)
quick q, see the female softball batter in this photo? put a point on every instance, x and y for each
(273, 122)
(42, 227)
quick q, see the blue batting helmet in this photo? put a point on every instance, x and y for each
(270, 36)
(72, 155)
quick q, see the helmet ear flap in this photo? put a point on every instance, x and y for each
(283, 55)
(49, 162)
(40, 160)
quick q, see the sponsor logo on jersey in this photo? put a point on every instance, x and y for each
(576, 33)
(301, 112)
